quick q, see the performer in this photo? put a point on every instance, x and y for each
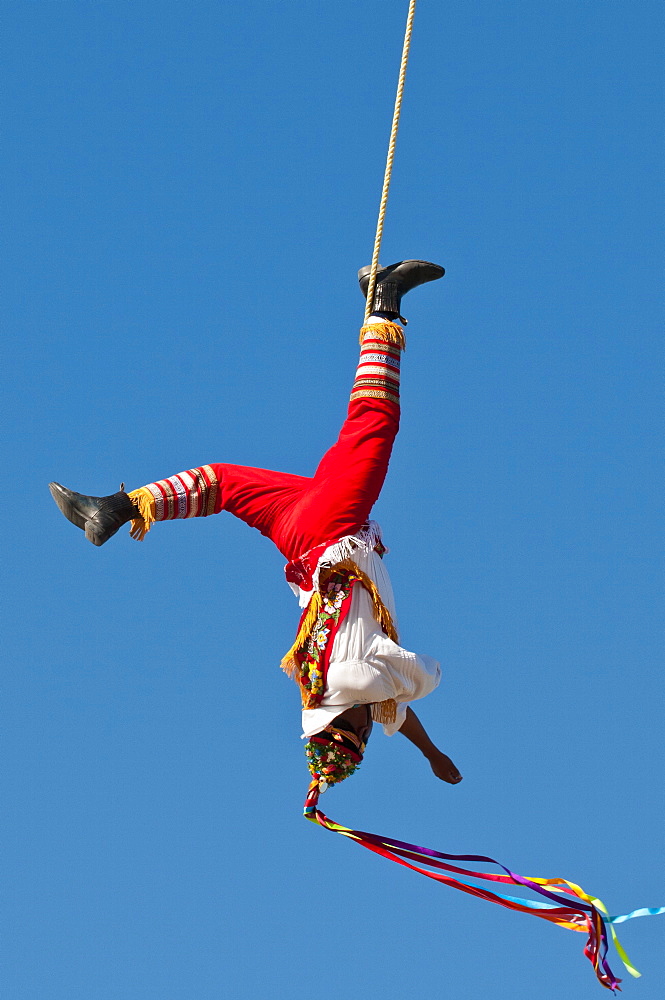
(346, 657)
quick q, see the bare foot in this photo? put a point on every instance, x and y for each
(443, 768)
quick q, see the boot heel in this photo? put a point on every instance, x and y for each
(93, 535)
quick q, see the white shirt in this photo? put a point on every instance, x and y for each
(365, 665)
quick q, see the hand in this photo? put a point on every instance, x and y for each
(443, 767)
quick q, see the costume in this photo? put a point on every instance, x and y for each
(366, 665)
(346, 651)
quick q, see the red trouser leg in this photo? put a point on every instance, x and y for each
(346, 484)
(296, 512)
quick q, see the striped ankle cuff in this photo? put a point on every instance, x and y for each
(377, 376)
(188, 494)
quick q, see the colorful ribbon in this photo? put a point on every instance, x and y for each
(580, 913)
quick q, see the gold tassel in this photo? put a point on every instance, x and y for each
(391, 333)
(385, 711)
(289, 663)
(381, 612)
(144, 502)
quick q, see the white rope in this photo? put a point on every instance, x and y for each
(391, 157)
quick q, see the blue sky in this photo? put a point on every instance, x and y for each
(189, 191)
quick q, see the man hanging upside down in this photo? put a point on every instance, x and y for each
(346, 658)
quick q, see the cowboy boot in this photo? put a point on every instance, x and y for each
(395, 281)
(99, 517)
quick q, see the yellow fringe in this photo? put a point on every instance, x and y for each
(289, 664)
(144, 502)
(381, 612)
(392, 333)
(385, 711)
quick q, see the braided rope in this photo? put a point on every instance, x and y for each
(390, 158)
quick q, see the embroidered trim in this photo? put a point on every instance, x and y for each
(210, 488)
(375, 394)
(377, 375)
(188, 494)
(307, 660)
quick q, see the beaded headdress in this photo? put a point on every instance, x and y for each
(332, 755)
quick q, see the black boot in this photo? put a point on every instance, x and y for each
(395, 281)
(99, 517)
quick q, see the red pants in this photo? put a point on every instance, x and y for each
(298, 513)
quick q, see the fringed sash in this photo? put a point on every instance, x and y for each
(307, 660)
